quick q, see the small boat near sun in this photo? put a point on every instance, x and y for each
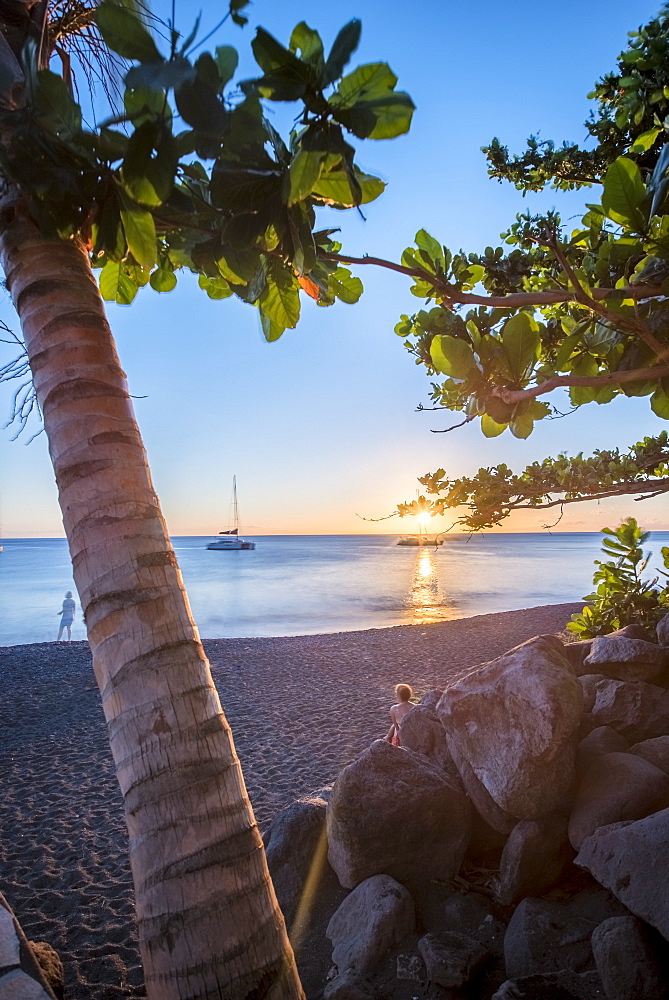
(420, 540)
(229, 540)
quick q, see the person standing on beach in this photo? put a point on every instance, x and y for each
(403, 693)
(66, 616)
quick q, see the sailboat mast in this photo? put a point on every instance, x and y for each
(235, 509)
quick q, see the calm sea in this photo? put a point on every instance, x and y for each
(306, 584)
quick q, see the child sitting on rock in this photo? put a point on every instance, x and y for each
(404, 693)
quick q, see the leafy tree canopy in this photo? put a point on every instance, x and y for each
(192, 175)
(585, 309)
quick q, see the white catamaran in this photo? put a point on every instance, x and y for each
(230, 540)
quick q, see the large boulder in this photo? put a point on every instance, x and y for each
(656, 751)
(546, 936)
(637, 709)
(631, 960)
(394, 812)
(535, 857)
(632, 860)
(598, 742)
(616, 786)
(562, 985)
(296, 847)
(422, 732)
(512, 727)
(625, 659)
(371, 920)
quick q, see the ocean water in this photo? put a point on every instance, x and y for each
(308, 584)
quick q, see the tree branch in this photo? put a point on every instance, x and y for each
(513, 300)
(586, 381)
(616, 319)
(623, 490)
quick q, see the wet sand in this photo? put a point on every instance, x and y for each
(300, 709)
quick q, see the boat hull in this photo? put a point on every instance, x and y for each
(420, 541)
(230, 545)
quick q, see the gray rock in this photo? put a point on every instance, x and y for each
(467, 913)
(626, 659)
(451, 959)
(663, 631)
(589, 684)
(562, 985)
(511, 726)
(616, 786)
(631, 960)
(633, 631)
(371, 920)
(535, 857)
(392, 811)
(431, 698)
(546, 936)
(422, 732)
(599, 741)
(296, 847)
(655, 751)
(632, 860)
(638, 710)
(576, 653)
(349, 986)
(16, 985)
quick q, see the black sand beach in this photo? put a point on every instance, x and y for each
(300, 709)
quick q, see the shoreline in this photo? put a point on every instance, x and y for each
(300, 708)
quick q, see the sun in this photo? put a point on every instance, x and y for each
(424, 521)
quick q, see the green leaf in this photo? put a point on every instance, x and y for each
(150, 164)
(659, 404)
(304, 172)
(54, 105)
(273, 58)
(160, 75)
(140, 234)
(522, 343)
(390, 116)
(452, 357)
(490, 427)
(624, 190)
(431, 247)
(334, 188)
(643, 142)
(201, 108)
(522, 425)
(271, 330)
(216, 288)
(162, 280)
(124, 33)
(343, 48)
(115, 285)
(345, 286)
(363, 84)
(308, 42)
(226, 60)
(280, 299)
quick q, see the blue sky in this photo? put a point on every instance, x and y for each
(322, 426)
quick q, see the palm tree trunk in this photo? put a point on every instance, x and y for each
(209, 923)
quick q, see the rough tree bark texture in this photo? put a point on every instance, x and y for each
(209, 923)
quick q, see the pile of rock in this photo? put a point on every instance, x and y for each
(548, 766)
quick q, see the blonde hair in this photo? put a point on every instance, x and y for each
(403, 692)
